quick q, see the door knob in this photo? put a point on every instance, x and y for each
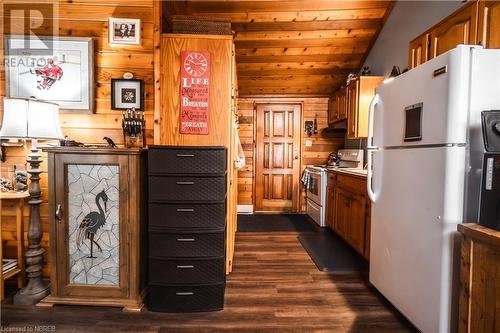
(59, 213)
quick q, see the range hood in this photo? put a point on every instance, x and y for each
(338, 127)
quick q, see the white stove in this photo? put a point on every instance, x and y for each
(315, 180)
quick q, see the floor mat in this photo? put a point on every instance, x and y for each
(275, 223)
(331, 253)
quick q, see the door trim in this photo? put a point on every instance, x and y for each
(299, 203)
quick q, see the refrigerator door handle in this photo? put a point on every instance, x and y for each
(371, 110)
(371, 149)
(369, 188)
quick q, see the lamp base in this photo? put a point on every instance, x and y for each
(37, 288)
(32, 293)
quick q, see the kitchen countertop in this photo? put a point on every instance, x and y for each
(362, 173)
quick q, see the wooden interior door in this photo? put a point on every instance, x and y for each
(277, 152)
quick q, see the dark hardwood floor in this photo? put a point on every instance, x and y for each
(274, 287)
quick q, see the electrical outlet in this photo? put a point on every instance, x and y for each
(308, 143)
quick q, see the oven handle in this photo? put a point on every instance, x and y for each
(314, 172)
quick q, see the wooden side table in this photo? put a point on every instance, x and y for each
(18, 199)
(479, 279)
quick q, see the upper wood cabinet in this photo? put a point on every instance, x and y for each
(489, 24)
(341, 104)
(337, 107)
(459, 28)
(360, 92)
(419, 50)
(477, 22)
(333, 112)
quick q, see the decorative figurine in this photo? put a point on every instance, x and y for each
(366, 71)
(111, 143)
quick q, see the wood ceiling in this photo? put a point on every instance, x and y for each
(294, 47)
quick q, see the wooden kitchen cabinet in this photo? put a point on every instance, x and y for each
(479, 302)
(477, 22)
(459, 28)
(489, 24)
(348, 210)
(341, 104)
(419, 50)
(341, 213)
(337, 106)
(333, 112)
(360, 92)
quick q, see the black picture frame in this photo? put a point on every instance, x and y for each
(127, 85)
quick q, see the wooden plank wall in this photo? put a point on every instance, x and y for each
(318, 153)
(89, 18)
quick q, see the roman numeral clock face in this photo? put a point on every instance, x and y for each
(195, 64)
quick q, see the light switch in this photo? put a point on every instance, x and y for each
(308, 143)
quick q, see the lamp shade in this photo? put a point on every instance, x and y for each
(30, 119)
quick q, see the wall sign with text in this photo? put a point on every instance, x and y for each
(195, 84)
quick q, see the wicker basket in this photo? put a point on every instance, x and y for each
(199, 25)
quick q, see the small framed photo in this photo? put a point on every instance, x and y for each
(127, 94)
(124, 31)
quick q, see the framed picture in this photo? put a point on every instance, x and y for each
(62, 74)
(124, 31)
(127, 94)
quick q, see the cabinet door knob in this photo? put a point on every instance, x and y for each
(59, 213)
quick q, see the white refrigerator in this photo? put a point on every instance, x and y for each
(424, 173)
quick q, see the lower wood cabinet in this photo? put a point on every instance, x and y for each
(348, 210)
(96, 218)
(479, 305)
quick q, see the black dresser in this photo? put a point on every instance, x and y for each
(187, 213)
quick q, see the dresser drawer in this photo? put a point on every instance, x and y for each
(186, 271)
(186, 244)
(181, 160)
(204, 216)
(186, 298)
(199, 189)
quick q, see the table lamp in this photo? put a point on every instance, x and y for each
(35, 120)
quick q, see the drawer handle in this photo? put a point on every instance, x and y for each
(184, 183)
(185, 155)
(185, 239)
(186, 293)
(185, 266)
(185, 210)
